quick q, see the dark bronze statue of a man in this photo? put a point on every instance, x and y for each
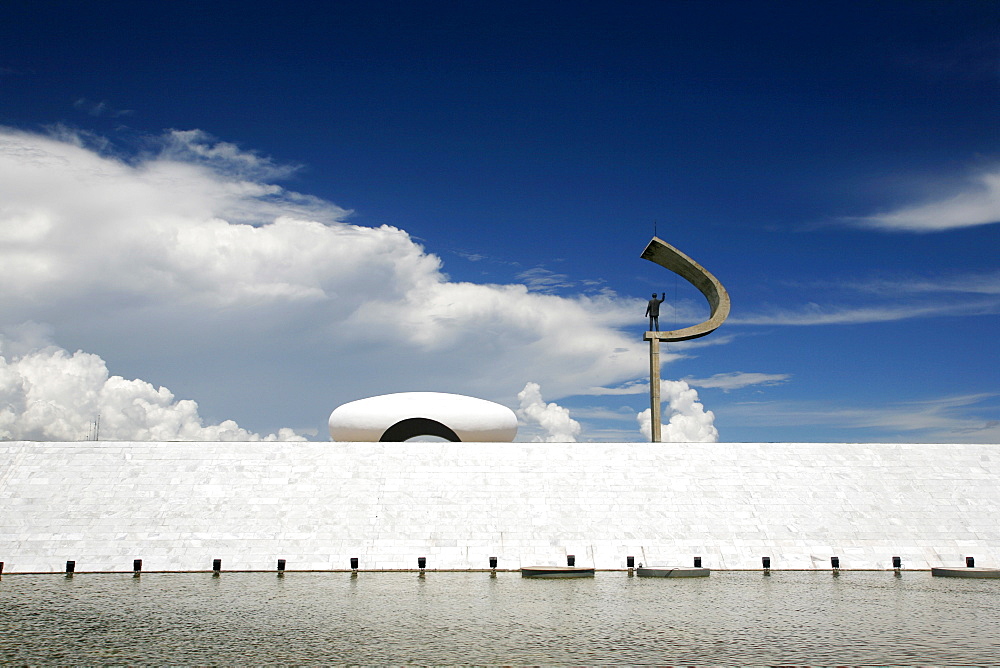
(653, 311)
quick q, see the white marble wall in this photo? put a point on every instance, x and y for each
(178, 506)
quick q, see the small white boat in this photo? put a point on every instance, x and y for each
(679, 572)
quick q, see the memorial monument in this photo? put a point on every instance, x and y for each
(371, 502)
(667, 256)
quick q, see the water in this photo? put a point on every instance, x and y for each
(448, 618)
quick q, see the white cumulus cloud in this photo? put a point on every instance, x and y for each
(187, 266)
(51, 395)
(554, 419)
(688, 422)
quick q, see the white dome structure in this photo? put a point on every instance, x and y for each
(399, 417)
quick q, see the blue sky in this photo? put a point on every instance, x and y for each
(466, 189)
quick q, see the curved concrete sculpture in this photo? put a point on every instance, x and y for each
(399, 417)
(667, 256)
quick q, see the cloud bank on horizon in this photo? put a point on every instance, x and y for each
(191, 245)
(50, 395)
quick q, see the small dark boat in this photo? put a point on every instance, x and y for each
(946, 572)
(556, 572)
(679, 572)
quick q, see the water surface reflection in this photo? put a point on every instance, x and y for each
(447, 618)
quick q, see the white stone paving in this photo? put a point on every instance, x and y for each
(178, 506)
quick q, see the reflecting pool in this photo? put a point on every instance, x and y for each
(448, 618)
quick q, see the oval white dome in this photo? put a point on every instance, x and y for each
(467, 419)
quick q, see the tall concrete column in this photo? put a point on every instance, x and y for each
(654, 385)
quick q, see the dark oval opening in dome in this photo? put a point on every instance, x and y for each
(411, 427)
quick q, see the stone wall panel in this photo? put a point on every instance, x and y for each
(178, 506)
